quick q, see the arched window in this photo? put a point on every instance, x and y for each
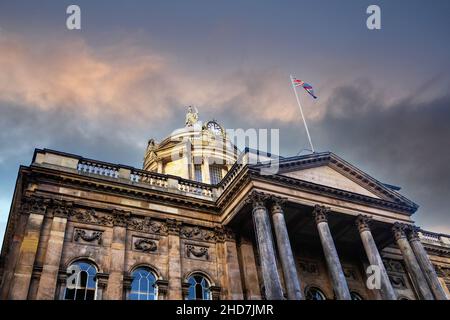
(144, 285)
(313, 293)
(82, 282)
(199, 288)
(355, 296)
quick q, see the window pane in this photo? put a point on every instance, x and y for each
(143, 285)
(86, 283)
(198, 172)
(215, 173)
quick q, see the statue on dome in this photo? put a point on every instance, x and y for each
(191, 117)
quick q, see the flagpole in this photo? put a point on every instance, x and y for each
(301, 111)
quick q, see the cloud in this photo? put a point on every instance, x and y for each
(105, 102)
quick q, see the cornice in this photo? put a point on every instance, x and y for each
(330, 191)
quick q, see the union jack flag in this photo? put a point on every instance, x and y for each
(300, 83)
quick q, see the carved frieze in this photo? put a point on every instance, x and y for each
(92, 217)
(89, 236)
(197, 233)
(197, 252)
(145, 245)
(147, 225)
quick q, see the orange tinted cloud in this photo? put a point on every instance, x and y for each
(131, 83)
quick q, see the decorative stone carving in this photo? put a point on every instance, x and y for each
(413, 234)
(320, 213)
(257, 199)
(145, 245)
(87, 235)
(398, 281)
(196, 233)
(120, 218)
(34, 204)
(173, 226)
(309, 267)
(224, 234)
(393, 265)
(147, 225)
(363, 223)
(60, 208)
(399, 230)
(91, 216)
(198, 252)
(396, 272)
(276, 204)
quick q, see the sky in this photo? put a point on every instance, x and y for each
(101, 92)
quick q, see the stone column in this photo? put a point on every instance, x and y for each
(412, 265)
(50, 269)
(291, 279)
(426, 265)
(27, 254)
(174, 263)
(331, 256)
(272, 284)
(363, 223)
(114, 289)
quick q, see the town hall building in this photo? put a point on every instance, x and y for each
(199, 224)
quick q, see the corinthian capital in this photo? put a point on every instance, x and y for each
(398, 230)
(276, 204)
(413, 233)
(363, 223)
(320, 213)
(257, 199)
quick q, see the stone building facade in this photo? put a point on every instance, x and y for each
(200, 224)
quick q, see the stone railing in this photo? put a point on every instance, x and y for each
(98, 168)
(147, 177)
(124, 173)
(434, 238)
(195, 187)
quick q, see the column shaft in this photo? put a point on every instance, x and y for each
(411, 263)
(426, 266)
(272, 284)
(387, 291)
(50, 269)
(331, 256)
(291, 279)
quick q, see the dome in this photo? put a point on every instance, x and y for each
(201, 151)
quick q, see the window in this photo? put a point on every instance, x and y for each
(215, 173)
(144, 285)
(313, 293)
(199, 288)
(82, 284)
(198, 172)
(355, 296)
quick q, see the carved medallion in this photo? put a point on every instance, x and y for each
(198, 252)
(92, 236)
(145, 245)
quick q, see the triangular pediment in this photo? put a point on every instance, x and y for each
(330, 177)
(328, 170)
